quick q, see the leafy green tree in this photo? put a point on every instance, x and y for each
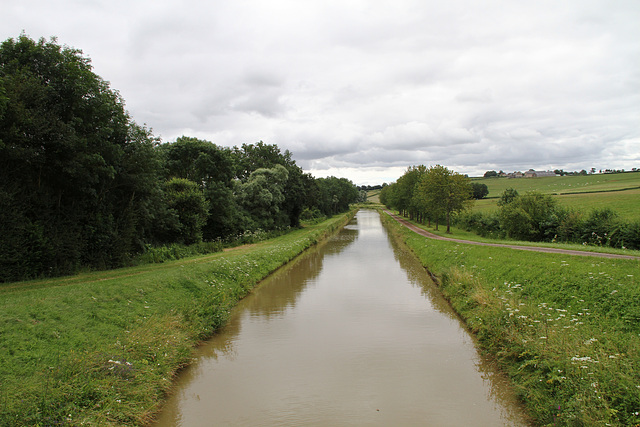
(213, 168)
(77, 176)
(508, 196)
(444, 192)
(479, 190)
(187, 200)
(299, 186)
(198, 160)
(404, 191)
(262, 196)
(532, 216)
(387, 196)
(335, 194)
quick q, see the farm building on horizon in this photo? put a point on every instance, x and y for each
(531, 174)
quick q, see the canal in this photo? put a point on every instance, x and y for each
(352, 333)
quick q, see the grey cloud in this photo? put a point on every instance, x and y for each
(369, 88)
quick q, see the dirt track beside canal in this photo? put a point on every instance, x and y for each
(426, 233)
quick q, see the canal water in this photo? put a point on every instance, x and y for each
(352, 333)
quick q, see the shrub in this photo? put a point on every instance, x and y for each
(485, 225)
(599, 226)
(569, 226)
(630, 235)
(153, 255)
(532, 216)
(480, 191)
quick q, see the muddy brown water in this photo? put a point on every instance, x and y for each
(352, 333)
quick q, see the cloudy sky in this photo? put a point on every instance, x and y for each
(363, 89)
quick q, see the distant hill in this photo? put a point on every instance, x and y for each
(618, 191)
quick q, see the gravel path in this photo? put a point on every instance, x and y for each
(425, 233)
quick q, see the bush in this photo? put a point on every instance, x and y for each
(175, 251)
(569, 226)
(485, 225)
(630, 235)
(533, 216)
(599, 227)
(312, 215)
(479, 191)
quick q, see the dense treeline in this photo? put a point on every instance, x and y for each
(429, 194)
(83, 185)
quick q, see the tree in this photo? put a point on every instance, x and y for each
(187, 200)
(213, 168)
(251, 157)
(77, 176)
(489, 174)
(508, 196)
(335, 195)
(479, 191)
(262, 196)
(529, 217)
(198, 160)
(445, 192)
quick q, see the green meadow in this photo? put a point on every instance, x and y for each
(619, 191)
(102, 348)
(566, 329)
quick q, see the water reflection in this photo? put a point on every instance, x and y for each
(351, 333)
(278, 292)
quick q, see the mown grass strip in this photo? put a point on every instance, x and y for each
(565, 328)
(102, 348)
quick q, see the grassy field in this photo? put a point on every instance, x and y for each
(565, 328)
(564, 184)
(102, 348)
(620, 192)
(373, 196)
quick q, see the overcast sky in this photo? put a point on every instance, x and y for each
(364, 89)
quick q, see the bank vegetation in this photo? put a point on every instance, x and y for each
(566, 329)
(102, 348)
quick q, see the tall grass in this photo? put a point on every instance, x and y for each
(102, 348)
(565, 328)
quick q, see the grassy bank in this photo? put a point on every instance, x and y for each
(102, 348)
(565, 328)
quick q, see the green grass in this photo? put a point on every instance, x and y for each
(102, 348)
(458, 233)
(620, 192)
(565, 328)
(564, 184)
(373, 196)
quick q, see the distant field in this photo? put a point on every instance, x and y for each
(620, 192)
(563, 184)
(373, 196)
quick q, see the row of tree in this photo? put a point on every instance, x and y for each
(429, 194)
(81, 184)
(436, 193)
